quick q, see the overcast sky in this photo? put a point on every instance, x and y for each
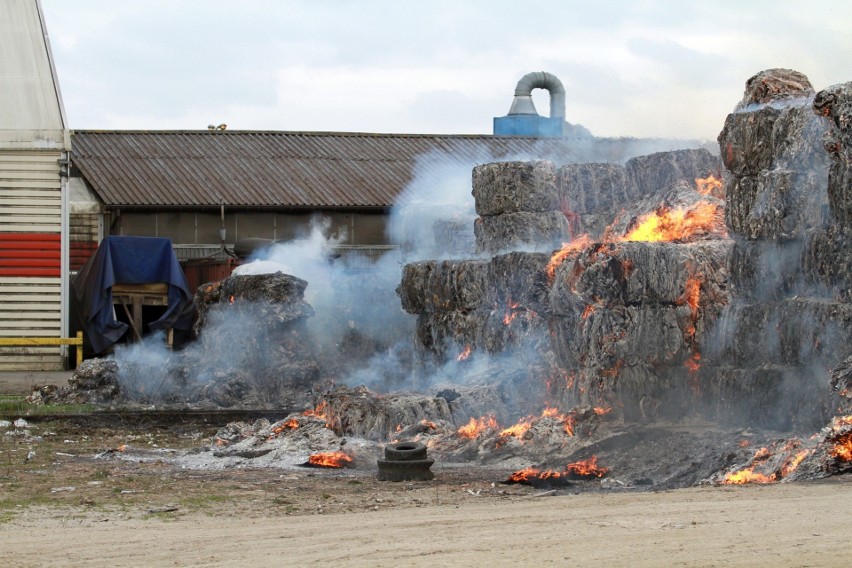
(631, 68)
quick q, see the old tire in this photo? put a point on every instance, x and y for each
(405, 451)
(413, 470)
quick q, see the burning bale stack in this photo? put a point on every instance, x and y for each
(792, 320)
(613, 321)
(629, 318)
(592, 193)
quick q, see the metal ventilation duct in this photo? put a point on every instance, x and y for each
(523, 103)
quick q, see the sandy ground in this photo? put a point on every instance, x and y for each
(780, 525)
(60, 505)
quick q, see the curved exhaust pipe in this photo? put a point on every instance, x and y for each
(523, 103)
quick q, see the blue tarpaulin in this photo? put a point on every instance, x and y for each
(129, 260)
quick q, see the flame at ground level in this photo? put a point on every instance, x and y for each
(330, 459)
(842, 450)
(587, 469)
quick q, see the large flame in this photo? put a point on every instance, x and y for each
(477, 426)
(587, 469)
(678, 224)
(517, 430)
(747, 475)
(330, 459)
(842, 450)
(665, 224)
(792, 457)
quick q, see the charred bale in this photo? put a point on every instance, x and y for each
(446, 335)
(795, 332)
(772, 396)
(776, 204)
(590, 193)
(278, 297)
(766, 270)
(772, 146)
(609, 339)
(521, 230)
(519, 279)
(595, 193)
(827, 262)
(835, 104)
(512, 187)
(454, 237)
(95, 381)
(430, 285)
(642, 273)
(653, 173)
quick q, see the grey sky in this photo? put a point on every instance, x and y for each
(640, 68)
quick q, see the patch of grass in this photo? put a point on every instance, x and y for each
(6, 515)
(204, 501)
(16, 406)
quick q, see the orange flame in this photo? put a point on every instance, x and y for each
(589, 310)
(692, 294)
(476, 426)
(530, 473)
(465, 354)
(692, 364)
(323, 413)
(291, 424)
(842, 450)
(676, 224)
(600, 410)
(551, 412)
(231, 299)
(330, 459)
(568, 424)
(709, 185)
(794, 462)
(517, 430)
(586, 469)
(747, 475)
(567, 249)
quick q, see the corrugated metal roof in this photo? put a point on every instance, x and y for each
(259, 169)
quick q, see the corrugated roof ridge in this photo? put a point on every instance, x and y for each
(285, 133)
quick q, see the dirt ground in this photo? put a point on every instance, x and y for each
(69, 497)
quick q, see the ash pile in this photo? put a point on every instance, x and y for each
(253, 351)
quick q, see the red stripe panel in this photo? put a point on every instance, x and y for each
(4, 254)
(29, 272)
(30, 254)
(31, 237)
(80, 252)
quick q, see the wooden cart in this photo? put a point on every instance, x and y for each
(134, 296)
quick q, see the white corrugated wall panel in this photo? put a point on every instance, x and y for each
(30, 306)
